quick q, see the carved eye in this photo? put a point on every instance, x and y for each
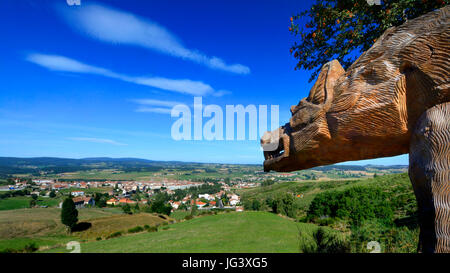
(305, 113)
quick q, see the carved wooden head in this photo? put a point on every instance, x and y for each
(290, 147)
(369, 110)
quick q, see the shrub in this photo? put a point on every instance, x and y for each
(306, 243)
(153, 229)
(127, 209)
(146, 226)
(9, 250)
(402, 239)
(98, 238)
(330, 242)
(30, 247)
(115, 234)
(325, 221)
(188, 217)
(136, 229)
(323, 241)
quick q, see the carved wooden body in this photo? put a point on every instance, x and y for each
(429, 170)
(370, 110)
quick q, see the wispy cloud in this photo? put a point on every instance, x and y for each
(154, 102)
(116, 26)
(148, 105)
(186, 86)
(97, 140)
(158, 110)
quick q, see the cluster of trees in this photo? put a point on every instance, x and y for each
(127, 209)
(283, 203)
(369, 212)
(267, 182)
(195, 191)
(309, 176)
(14, 193)
(100, 199)
(254, 204)
(159, 206)
(355, 204)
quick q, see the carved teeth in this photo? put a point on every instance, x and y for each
(283, 145)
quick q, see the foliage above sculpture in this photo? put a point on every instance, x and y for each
(335, 28)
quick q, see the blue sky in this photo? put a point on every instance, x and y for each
(98, 79)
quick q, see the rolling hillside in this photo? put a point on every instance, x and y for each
(398, 185)
(227, 232)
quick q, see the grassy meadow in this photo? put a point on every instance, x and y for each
(224, 232)
(41, 225)
(22, 202)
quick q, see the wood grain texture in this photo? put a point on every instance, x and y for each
(429, 171)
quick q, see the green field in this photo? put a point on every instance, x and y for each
(179, 214)
(15, 203)
(21, 202)
(89, 191)
(41, 225)
(226, 232)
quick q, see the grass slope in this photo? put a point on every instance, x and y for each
(105, 226)
(40, 225)
(227, 232)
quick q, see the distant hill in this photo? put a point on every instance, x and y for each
(359, 167)
(36, 165)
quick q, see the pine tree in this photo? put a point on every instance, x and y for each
(69, 214)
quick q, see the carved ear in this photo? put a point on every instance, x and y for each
(322, 91)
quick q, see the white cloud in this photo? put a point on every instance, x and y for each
(221, 93)
(97, 140)
(195, 88)
(61, 63)
(165, 107)
(158, 110)
(120, 27)
(165, 103)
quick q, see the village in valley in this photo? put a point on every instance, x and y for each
(119, 193)
(178, 186)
